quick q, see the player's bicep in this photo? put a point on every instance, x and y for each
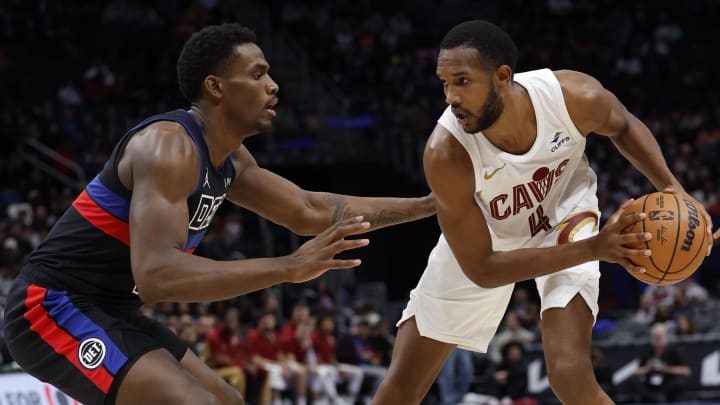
(463, 224)
(164, 174)
(451, 178)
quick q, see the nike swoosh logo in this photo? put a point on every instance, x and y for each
(490, 175)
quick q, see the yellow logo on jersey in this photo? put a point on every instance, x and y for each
(490, 175)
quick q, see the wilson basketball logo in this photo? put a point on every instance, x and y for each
(693, 223)
(91, 353)
(661, 215)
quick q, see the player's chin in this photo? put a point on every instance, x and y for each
(264, 125)
(472, 127)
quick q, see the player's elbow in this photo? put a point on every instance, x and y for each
(304, 228)
(150, 286)
(308, 221)
(485, 277)
(150, 292)
(485, 282)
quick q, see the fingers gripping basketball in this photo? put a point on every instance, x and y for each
(679, 240)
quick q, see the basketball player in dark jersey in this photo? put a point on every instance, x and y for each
(72, 315)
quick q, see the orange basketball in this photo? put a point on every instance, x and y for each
(679, 240)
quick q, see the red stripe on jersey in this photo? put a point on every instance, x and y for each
(102, 219)
(48, 396)
(62, 342)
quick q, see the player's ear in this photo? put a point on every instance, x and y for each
(503, 74)
(213, 86)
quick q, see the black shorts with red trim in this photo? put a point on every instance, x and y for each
(67, 340)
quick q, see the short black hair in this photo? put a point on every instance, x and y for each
(492, 42)
(205, 53)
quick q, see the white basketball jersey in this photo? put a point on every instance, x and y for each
(524, 197)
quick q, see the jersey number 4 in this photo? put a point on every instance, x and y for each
(539, 221)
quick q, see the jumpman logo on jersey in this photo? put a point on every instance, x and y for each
(207, 182)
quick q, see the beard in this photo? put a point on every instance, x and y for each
(490, 111)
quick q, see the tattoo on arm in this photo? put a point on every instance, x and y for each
(380, 217)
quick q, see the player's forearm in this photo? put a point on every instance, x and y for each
(379, 211)
(638, 145)
(180, 277)
(502, 268)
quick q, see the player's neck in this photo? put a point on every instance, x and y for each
(219, 136)
(516, 128)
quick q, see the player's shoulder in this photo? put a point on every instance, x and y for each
(443, 147)
(579, 87)
(444, 155)
(165, 141)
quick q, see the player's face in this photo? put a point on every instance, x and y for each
(469, 88)
(249, 93)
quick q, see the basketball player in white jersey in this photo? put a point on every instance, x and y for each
(516, 200)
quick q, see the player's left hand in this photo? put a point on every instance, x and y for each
(708, 219)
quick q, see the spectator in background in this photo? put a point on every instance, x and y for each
(531, 320)
(660, 295)
(325, 346)
(513, 331)
(510, 377)
(645, 313)
(187, 332)
(224, 345)
(300, 351)
(265, 351)
(358, 349)
(325, 301)
(227, 354)
(455, 377)
(684, 325)
(300, 313)
(662, 372)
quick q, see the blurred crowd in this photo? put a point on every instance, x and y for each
(75, 75)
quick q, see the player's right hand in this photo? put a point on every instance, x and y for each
(611, 243)
(317, 255)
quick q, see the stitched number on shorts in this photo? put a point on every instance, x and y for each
(539, 221)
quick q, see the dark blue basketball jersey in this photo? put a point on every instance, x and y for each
(87, 251)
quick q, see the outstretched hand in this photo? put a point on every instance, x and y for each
(708, 220)
(317, 255)
(610, 244)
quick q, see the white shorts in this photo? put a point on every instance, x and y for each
(450, 308)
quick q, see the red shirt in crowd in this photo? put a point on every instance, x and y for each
(294, 347)
(264, 346)
(225, 347)
(325, 347)
(287, 333)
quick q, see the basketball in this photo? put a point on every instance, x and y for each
(679, 240)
